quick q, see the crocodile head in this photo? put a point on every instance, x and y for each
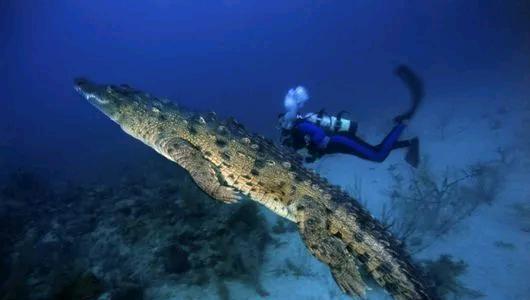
(109, 99)
(139, 114)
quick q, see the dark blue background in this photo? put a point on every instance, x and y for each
(238, 58)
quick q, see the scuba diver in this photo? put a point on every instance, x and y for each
(323, 134)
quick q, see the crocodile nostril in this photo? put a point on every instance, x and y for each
(80, 81)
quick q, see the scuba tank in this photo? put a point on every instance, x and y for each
(332, 124)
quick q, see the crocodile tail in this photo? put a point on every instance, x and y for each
(357, 248)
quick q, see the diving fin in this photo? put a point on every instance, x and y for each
(413, 154)
(415, 86)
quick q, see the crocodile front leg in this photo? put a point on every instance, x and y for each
(203, 172)
(314, 226)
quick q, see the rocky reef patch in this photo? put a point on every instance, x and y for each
(118, 241)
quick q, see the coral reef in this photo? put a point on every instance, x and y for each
(113, 242)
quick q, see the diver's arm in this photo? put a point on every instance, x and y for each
(315, 133)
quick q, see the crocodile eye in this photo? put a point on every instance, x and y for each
(80, 81)
(111, 89)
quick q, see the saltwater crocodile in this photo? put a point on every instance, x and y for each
(227, 163)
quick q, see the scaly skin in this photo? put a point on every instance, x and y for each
(227, 162)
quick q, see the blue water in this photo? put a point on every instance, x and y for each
(225, 55)
(239, 58)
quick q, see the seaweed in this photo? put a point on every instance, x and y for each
(445, 272)
(425, 205)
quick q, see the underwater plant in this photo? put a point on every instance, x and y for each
(444, 272)
(424, 205)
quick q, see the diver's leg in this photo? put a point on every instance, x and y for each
(358, 147)
(402, 144)
(347, 145)
(354, 146)
(413, 150)
(391, 141)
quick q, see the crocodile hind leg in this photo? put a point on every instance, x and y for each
(203, 172)
(328, 248)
